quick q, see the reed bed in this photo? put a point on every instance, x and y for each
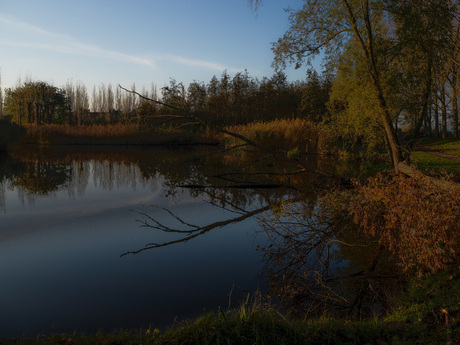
(110, 134)
(292, 136)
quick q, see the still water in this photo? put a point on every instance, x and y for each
(67, 217)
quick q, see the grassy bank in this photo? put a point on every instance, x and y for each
(445, 145)
(418, 319)
(424, 156)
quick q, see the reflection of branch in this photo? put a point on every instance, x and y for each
(262, 173)
(218, 152)
(306, 247)
(238, 186)
(195, 230)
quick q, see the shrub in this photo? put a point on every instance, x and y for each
(415, 220)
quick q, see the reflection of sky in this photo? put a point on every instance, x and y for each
(61, 267)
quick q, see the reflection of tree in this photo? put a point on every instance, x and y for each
(319, 264)
(43, 177)
(115, 167)
(9, 168)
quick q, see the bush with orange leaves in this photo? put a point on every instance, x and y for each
(416, 221)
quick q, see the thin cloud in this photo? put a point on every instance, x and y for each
(66, 44)
(201, 63)
(12, 22)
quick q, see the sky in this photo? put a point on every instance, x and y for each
(139, 41)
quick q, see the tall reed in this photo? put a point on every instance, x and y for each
(286, 135)
(110, 134)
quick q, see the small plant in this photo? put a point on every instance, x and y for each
(293, 153)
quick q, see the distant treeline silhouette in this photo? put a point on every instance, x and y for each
(226, 100)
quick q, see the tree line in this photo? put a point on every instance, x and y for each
(227, 100)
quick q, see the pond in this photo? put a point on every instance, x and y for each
(68, 216)
(99, 239)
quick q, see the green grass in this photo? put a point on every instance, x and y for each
(432, 303)
(425, 161)
(262, 324)
(259, 328)
(447, 145)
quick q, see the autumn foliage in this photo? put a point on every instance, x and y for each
(416, 221)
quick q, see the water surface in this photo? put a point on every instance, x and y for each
(67, 218)
(103, 238)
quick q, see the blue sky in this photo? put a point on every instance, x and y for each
(145, 42)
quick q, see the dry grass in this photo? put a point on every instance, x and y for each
(111, 134)
(95, 131)
(291, 136)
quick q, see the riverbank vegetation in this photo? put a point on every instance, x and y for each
(291, 136)
(112, 134)
(417, 320)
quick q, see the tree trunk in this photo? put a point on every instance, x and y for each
(20, 114)
(366, 45)
(29, 113)
(455, 103)
(425, 125)
(424, 109)
(38, 110)
(436, 115)
(441, 184)
(428, 120)
(444, 111)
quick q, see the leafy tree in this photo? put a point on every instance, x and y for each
(174, 94)
(219, 98)
(352, 108)
(242, 95)
(315, 96)
(196, 96)
(422, 29)
(374, 30)
(40, 101)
